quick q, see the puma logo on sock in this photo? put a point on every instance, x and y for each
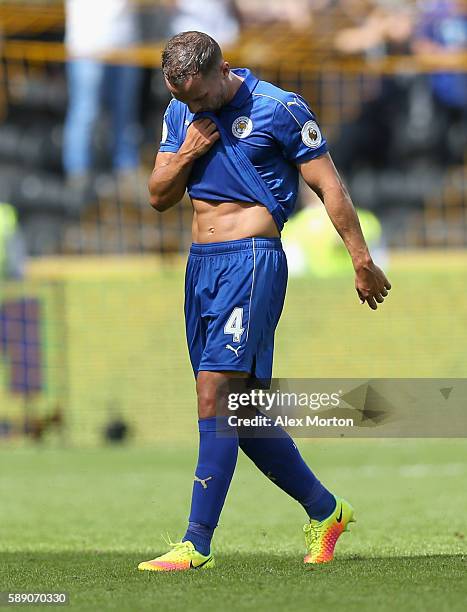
(203, 481)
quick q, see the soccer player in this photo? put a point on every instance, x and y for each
(238, 145)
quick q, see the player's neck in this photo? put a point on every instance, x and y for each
(234, 84)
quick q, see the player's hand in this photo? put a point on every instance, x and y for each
(371, 284)
(200, 137)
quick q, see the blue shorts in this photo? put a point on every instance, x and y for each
(234, 294)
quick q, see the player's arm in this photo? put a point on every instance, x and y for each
(168, 180)
(321, 175)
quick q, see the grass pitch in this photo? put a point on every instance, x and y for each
(81, 520)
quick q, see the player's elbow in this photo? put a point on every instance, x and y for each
(158, 203)
(331, 189)
(157, 199)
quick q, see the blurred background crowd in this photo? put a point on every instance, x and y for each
(82, 97)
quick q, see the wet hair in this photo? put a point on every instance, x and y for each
(188, 54)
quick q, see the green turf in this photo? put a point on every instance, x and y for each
(117, 343)
(81, 520)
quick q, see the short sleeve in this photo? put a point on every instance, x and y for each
(170, 130)
(296, 129)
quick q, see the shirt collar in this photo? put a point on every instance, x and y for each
(246, 88)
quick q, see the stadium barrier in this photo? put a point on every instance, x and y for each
(114, 217)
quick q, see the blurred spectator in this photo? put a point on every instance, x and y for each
(297, 13)
(93, 29)
(382, 27)
(442, 29)
(12, 249)
(313, 247)
(218, 18)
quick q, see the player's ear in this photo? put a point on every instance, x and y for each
(225, 69)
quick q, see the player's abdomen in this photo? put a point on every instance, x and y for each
(223, 221)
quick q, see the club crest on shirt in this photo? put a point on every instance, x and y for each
(311, 135)
(242, 127)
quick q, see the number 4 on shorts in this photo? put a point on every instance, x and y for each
(234, 324)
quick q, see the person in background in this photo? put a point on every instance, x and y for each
(12, 249)
(313, 247)
(380, 28)
(218, 18)
(298, 14)
(94, 29)
(442, 30)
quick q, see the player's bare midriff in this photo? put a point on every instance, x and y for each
(223, 221)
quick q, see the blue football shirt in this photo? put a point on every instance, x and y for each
(275, 129)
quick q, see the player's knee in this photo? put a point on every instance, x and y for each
(206, 406)
(207, 388)
(211, 388)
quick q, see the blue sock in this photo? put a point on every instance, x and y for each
(218, 450)
(279, 459)
(200, 536)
